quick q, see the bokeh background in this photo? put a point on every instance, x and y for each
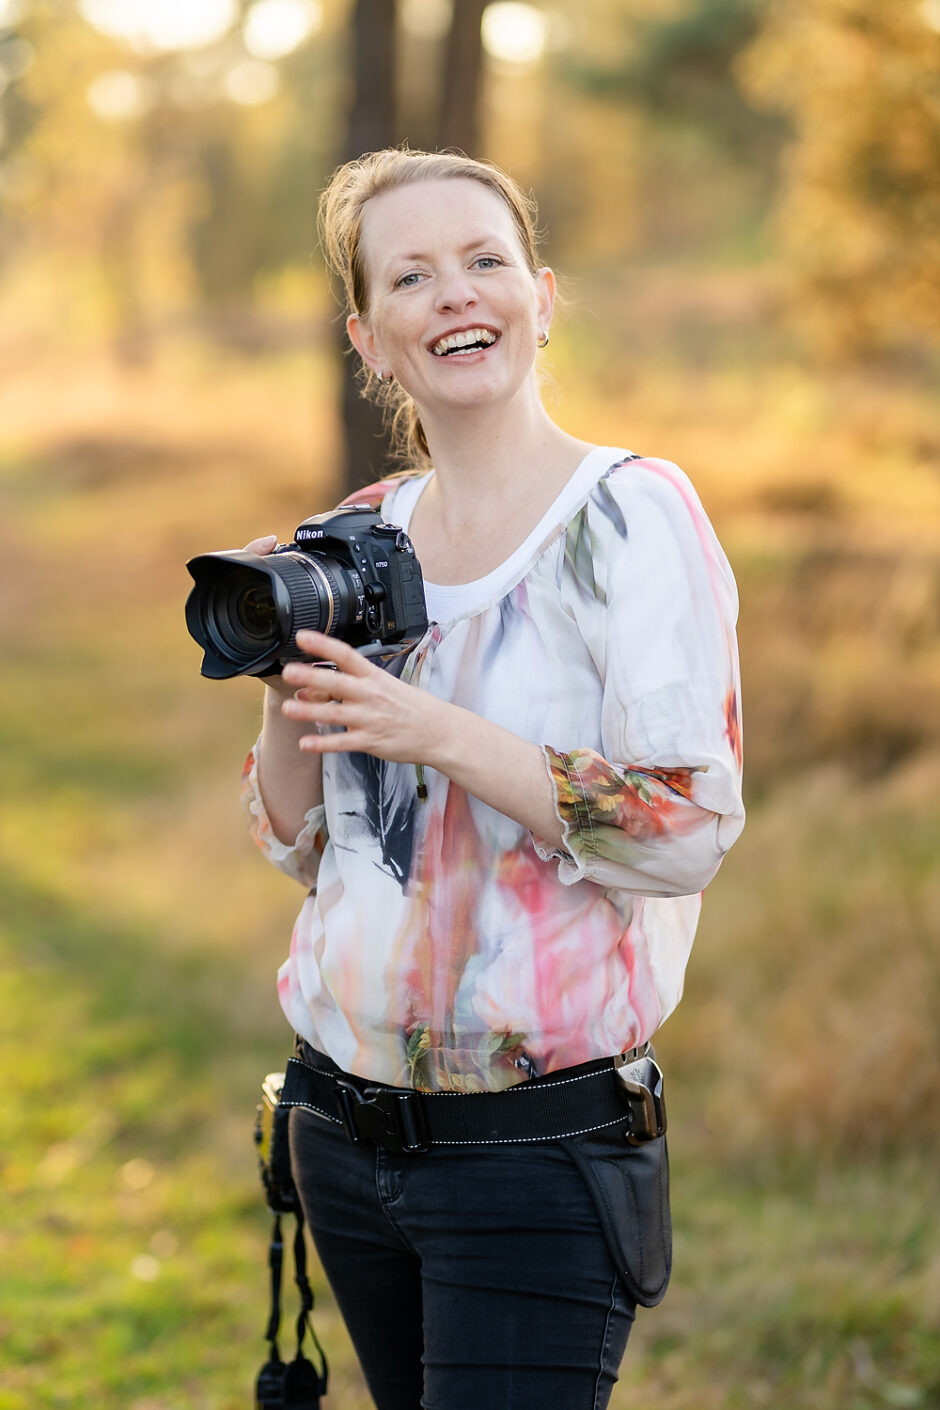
(743, 198)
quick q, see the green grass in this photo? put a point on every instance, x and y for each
(134, 1232)
(809, 1286)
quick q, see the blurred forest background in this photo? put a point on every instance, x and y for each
(743, 198)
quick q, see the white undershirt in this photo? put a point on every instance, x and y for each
(446, 601)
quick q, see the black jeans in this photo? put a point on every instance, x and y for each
(475, 1278)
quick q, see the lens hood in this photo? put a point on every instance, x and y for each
(215, 614)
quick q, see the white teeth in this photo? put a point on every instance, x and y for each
(455, 341)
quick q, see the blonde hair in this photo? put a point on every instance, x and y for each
(340, 226)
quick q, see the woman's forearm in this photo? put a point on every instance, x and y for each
(382, 715)
(290, 779)
(501, 769)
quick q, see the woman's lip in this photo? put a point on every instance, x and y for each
(464, 357)
(446, 357)
(464, 328)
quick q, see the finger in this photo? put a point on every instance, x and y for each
(321, 712)
(332, 743)
(261, 546)
(320, 682)
(329, 648)
(313, 678)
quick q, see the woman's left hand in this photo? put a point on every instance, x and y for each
(380, 714)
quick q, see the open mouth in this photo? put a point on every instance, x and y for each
(471, 340)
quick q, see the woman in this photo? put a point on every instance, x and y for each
(506, 832)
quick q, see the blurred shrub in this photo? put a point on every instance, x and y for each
(810, 1022)
(841, 653)
(858, 207)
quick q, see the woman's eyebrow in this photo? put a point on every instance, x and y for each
(419, 256)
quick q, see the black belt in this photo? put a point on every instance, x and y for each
(626, 1089)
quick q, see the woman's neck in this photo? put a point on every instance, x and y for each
(496, 474)
(498, 455)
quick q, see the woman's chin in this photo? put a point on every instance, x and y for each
(474, 387)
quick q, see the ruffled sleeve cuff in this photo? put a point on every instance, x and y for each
(301, 859)
(572, 867)
(634, 829)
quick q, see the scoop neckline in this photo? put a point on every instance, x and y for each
(455, 600)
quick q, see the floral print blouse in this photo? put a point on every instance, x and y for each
(441, 945)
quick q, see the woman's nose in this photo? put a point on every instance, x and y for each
(456, 291)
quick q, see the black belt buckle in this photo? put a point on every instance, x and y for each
(641, 1086)
(393, 1120)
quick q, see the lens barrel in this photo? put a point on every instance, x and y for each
(246, 609)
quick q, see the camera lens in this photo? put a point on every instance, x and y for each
(246, 613)
(255, 612)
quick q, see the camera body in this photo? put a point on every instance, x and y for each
(347, 573)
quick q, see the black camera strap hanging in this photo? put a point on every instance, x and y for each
(296, 1384)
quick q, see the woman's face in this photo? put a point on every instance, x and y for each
(454, 312)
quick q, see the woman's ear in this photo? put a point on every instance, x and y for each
(545, 295)
(360, 335)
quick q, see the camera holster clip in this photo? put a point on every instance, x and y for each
(394, 1120)
(641, 1087)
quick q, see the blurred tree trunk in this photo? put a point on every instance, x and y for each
(371, 126)
(459, 118)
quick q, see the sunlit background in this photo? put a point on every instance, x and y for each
(742, 198)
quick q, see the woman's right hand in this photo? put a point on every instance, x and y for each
(263, 546)
(289, 784)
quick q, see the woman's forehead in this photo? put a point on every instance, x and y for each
(411, 220)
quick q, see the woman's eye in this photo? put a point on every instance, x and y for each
(487, 262)
(408, 281)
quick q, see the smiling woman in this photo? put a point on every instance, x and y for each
(503, 832)
(454, 320)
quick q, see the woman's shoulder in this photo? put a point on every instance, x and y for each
(374, 496)
(637, 474)
(647, 484)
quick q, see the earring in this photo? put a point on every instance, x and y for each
(384, 376)
(543, 339)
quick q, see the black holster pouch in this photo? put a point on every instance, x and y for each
(626, 1171)
(296, 1384)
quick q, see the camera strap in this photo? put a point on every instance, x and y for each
(296, 1384)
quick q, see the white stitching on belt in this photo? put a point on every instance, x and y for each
(308, 1106)
(517, 1140)
(499, 1141)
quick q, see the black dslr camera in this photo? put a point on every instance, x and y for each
(347, 574)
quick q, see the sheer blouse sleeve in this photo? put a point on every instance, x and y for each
(301, 859)
(654, 598)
